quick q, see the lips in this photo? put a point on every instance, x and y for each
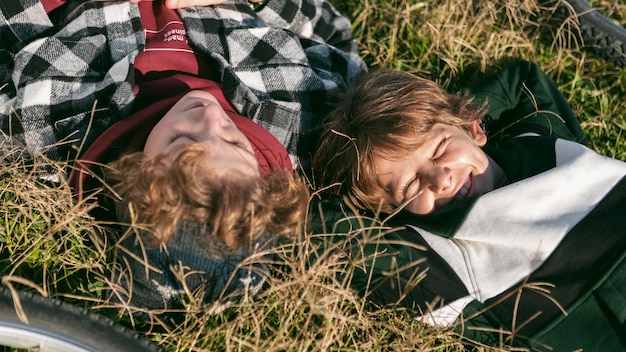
(465, 189)
(196, 104)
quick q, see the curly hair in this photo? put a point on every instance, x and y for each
(384, 115)
(162, 191)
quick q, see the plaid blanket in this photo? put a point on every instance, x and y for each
(65, 78)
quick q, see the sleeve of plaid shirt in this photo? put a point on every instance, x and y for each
(280, 66)
(64, 83)
(20, 21)
(313, 19)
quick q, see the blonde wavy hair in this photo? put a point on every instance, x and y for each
(239, 208)
(383, 115)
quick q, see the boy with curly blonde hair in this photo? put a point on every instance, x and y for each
(198, 112)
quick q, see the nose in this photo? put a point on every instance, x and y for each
(210, 122)
(211, 117)
(440, 179)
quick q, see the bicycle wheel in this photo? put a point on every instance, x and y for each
(56, 326)
(599, 33)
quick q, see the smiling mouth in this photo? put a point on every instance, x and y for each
(465, 190)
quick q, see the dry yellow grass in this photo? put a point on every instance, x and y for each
(51, 244)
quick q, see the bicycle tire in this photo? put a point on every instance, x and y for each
(57, 326)
(599, 33)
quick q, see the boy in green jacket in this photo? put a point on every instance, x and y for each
(492, 194)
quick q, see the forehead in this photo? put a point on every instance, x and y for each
(400, 147)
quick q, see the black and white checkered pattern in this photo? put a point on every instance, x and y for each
(75, 80)
(69, 81)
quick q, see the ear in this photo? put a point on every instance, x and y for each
(477, 133)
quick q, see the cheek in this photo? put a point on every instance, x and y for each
(156, 141)
(483, 160)
(421, 205)
(474, 156)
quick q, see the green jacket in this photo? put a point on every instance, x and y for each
(483, 263)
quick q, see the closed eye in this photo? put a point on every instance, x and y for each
(182, 135)
(406, 187)
(440, 150)
(239, 145)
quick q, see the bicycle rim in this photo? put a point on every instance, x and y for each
(29, 322)
(22, 337)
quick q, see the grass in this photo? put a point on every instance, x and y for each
(50, 243)
(457, 42)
